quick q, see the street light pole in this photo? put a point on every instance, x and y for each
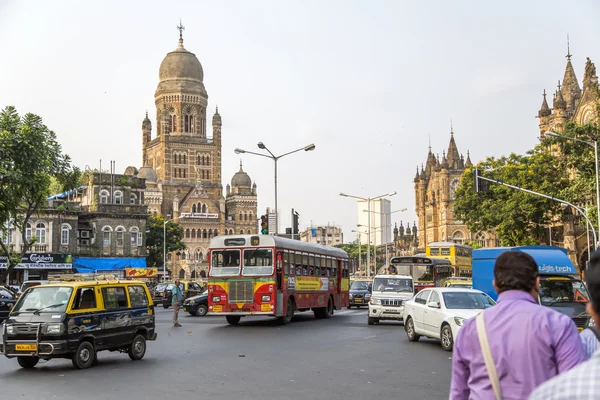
(164, 249)
(368, 200)
(275, 158)
(387, 261)
(594, 144)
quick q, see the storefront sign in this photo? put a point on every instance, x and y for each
(41, 261)
(141, 272)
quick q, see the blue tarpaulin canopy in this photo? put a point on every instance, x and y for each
(64, 195)
(93, 264)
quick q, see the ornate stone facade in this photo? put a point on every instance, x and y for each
(182, 166)
(571, 103)
(435, 185)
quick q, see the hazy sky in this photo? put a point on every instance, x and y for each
(367, 81)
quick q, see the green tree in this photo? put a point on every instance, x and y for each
(518, 218)
(30, 156)
(155, 239)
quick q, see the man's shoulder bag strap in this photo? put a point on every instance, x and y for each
(487, 356)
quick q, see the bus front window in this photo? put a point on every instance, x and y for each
(402, 269)
(423, 273)
(225, 263)
(258, 262)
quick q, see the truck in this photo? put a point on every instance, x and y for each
(560, 288)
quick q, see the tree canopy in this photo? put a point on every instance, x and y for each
(155, 239)
(557, 167)
(30, 157)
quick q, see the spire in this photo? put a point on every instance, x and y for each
(468, 163)
(451, 128)
(544, 110)
(444, 160)
(417, 175)
(180, 28)
(453, 154)
(430, 143)
(571, 91)
(241, 169)
(559, 101)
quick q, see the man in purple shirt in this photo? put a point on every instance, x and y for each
(529, 343)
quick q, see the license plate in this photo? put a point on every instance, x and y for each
(218, 308)
(26, 347)
(358, 301)
(265, 307)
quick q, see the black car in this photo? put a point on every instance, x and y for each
(197, 305)
(188, 289)
(7, 300)
(158, 293)
(360, 293)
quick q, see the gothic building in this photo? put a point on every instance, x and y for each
(182, 165)
(406, 242)
(571, 103)
(435, 185)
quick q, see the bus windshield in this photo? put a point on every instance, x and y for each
(423, 273)
(258, 262)
(225, 263)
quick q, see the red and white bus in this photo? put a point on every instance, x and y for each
(426, 271)
(271, 276)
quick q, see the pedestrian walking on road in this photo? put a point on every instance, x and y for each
(582, 382)
(176, 302)
(513, 347)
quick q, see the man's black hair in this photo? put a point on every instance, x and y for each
(515, 270)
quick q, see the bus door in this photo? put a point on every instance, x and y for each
(279, 280)
(338, 287)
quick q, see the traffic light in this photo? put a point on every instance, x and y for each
(480, 184)
(264, 225)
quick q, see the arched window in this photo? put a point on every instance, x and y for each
(210, 234)
(120, 235)
(181, 273)
(204, 208)
(40, 232)
(106, 232)
(28, 232)
(193, 274)
(187, 233)
(64, 234)
(241, 231)
(458, 237)
(216, 233)
(193, 234)
(250, 217)
(231, 231)
(203, 162)
(203, 274)
(241, 217)
(118, 197)
(194, 208)
(203, 174)
(249, 232)
(132, 198)
(207, 174)
(453, 186)
(104, 197)
(198, 159)
(183, 255)
(481, 239)
(136, 238)
(173, 123)
(185, 158)
(204, 234)
(207, 160)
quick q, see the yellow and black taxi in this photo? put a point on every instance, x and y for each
(78, 317)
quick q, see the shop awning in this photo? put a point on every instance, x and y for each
(94, 264)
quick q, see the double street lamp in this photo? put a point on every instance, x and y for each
(165, 246)
(275, 158)
(387, 261)
(594, 144)
(368, 200)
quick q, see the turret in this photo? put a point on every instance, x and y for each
(571, 92)
(468, 163)
(146, 137)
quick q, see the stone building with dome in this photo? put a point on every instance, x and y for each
(181, 165)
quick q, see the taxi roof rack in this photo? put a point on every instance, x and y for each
(84, 277)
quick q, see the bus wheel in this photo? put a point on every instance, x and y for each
(328, 312)
(289, 314)
(232, 319)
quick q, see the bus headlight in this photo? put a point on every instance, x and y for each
(266, 299)
(216, 299)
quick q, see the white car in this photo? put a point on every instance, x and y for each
(389, 292)
(439, 313)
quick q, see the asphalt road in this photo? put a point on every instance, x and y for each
(338, 358)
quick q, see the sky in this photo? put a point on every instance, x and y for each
(369, 83)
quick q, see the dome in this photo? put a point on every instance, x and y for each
(181, 64)
(131, 171)
(241, 179)
(148, 174)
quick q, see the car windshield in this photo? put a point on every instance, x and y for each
(467, 301)
(258, 262)
(6, 294)
(44, 299)
(359, 286)
(562, 290)
(393, 285)
(225, 263)
(27, 285)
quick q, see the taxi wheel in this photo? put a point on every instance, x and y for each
(28, 362)
(137, 348)
(84, 355)
(201, 310)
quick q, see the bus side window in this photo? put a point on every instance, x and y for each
(286, 263)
